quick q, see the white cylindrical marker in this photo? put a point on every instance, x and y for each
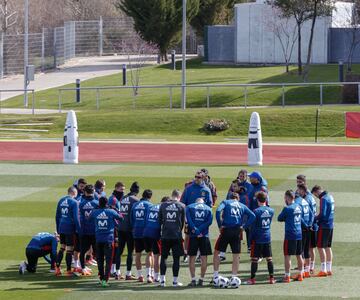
(71, 139)
(255, 145)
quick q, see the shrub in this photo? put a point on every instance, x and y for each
(216, 125)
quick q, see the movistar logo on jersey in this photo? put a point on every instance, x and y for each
(64, 211)
(235, 212)
(124, 208)
(200, 214)
(153, 215)
(297, 219)
(265, 223)
(102, 224)
(102, 216)
(139, 214)
(171, 216)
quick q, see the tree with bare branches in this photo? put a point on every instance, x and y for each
(8, 15)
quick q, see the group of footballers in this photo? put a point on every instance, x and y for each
(94, 230)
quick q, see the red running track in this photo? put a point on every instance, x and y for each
(191, 153)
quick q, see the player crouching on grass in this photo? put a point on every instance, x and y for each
(229, 217)
(105, 222)
(137, 220)
(261, 238)
(325, 220)
(291, 215)
(42, 244)
(199, 217)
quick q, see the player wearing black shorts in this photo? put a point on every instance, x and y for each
(291, 215)
(199, 218)
(261, 238)
(171, 220)
(229, 217)
(325, 220)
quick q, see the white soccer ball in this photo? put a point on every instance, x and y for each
(234, 282)
(221, 282)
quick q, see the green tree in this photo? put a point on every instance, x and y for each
(212, 12)
(158, 22)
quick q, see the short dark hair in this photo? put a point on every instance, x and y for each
(147, 194)
(302, 187)
(243, 171)
(99, 184)
(205, 171)
(165, 199)
(290, 194)
(135, 188)
(103, 201)
(234, 196)
(316, 188)
(301, 177)
(261, 196)
(89, 189)
(119, 184)
(81, 181)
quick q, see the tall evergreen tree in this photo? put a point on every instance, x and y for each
(158, 22)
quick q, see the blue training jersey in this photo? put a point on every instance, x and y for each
(307, 217)
(152, 226)
(261, 228)
(87, 205)
(199, 218)
(105, 222)
(138, 217)
(67, 216)
(46, 242)
(194, 191)
(291, 215)
(313, 207)
(230, 213)
(325, 218)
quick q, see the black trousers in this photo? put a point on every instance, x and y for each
(86, 241)
(104, 252)
(32, 256)
(125, 238)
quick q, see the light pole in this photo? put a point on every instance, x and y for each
(26, 50)
(183, 85)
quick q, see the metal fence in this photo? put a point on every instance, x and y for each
(28, 91)
(53, 47)
(201, 95)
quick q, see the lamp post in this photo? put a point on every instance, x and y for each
(183, 84)
(26, 50)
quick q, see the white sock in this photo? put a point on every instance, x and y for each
(113, 268)
(302, 270)
(233, 275)
(156, 276)
(329, 266)
(323, 266)
(148, 271)
(287, 274)
(77, 263)
(216, 274)
(152, 272)
(162, 278)
(193, 279)
(128, 273)
(118, 272)
(175, 279)
(307, 269)
(139, 273)
(222, 254)
(312, 265)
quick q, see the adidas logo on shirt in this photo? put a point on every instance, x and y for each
(88, 205)
(297, 210)
(265, 214)
(172, 207)
(65, 203)
(102, 216)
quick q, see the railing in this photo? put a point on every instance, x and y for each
(208, 88)
(32, 91)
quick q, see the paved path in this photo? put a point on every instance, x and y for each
(79, 68)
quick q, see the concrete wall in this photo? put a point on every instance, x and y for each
(340, 43)
(220, 44)
(255, 41)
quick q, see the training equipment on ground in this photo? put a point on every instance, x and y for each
(71, 139)
(221, 282)
(234, 282)
(255, 145)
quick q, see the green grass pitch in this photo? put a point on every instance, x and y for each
(30, 193)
